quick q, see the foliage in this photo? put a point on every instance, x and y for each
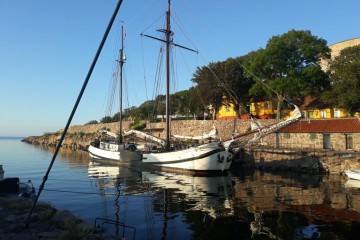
(345, 80)
(106, 119)
(138, 126)
(47, 134)
(146, 111)
(288, 68)
(209, 86)
(223, 79)
(92, 122)
(18, 206)
(182, 103)
(187, 103)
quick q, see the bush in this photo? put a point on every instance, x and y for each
(92, 122)
(139, 126)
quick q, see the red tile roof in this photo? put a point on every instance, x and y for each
(314, 103)
(333, 125)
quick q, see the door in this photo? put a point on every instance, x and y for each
(326, 141)
(349, 141)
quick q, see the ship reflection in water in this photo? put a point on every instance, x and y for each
(241, 205)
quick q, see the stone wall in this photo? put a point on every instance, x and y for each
(80, 136)
(307, 161)
(298, 152)
(226, 128)
(314, 141)
(181, 127)
(83, 134)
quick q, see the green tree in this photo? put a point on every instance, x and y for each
(146, 111)
(345, 79)
(288, 68)
(209, 86)
(106, 119)
(91, 122)
(127, 112)
(223, 79)
(237, 83)
(187, 102)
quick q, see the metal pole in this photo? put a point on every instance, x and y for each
(74, 110)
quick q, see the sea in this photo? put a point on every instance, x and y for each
(141, 204)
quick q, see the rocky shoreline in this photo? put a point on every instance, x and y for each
(80, 136)
(297, 159)
(45, 223)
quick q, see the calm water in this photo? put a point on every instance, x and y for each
(158, 205)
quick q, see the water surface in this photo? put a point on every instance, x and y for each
(245, 204)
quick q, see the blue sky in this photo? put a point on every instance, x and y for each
(46, 48)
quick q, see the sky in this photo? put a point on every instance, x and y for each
(47, 47)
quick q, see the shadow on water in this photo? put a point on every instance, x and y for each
(305, 179)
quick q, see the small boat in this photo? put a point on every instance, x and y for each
(12, 185)
(353, 174)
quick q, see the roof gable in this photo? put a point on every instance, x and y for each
(333, 125)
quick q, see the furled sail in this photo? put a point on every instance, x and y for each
(212, 134)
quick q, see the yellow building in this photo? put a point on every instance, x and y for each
(315, 108)
(227, 110)
(263, 109)
(312, 108)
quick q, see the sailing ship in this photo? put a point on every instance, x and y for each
(115, 150)
(210, 156)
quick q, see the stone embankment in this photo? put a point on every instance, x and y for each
(80, 136)
(264, 156)
(316, 161)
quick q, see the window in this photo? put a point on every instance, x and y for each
(311, 114)
(326, 141)
(313, 136)
(267, 105)
(336, 113)
(227, 108)
(286, 135)
(323, 113)
(349, 141)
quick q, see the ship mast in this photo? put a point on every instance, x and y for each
(168, 41)
(121, 63)
(168, 34)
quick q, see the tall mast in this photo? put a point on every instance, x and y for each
(168, 41)
(168, 35)
(121, 63)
